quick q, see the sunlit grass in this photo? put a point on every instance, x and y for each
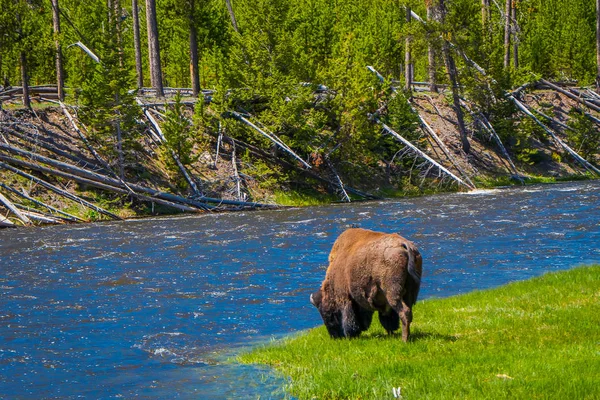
(533, 339)
(489, 182)
(300, 199)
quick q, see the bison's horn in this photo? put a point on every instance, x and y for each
(312, 301)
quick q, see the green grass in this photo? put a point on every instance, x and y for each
(296, 198)
(488, 182)
(535, 339)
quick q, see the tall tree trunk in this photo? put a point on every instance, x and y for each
(431, 16)
(232, 15)
(407, 56)
(25, 79)
(194, 52)
(486, 18)
(2, 84)
(507, 13)
(453, 75)
(485, 6)
(137, 47)
(598, 46)
(116, 10)
(154, 49)
(514, 33)
(60, 80)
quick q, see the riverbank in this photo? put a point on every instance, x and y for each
(55, 170)
(531, 339)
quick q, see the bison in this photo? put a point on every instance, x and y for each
(369, 271)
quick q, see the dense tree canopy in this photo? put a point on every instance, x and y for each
(299, 40)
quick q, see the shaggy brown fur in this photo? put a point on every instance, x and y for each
(369, 271)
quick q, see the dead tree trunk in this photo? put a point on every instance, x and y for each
(25, 79)
(421, 154)
(431, 16)
(514, 33)
(485, 12)
(10, 206)
(407, 55)
(193, 52)
(232, 15)
(60, 81)
(453, 75)
(59, 191)
(154, 48)
(572, 152)
(507, 13)
(598, 46)
(114, 12)
(24, 195)
(1, 83)
(137, 44)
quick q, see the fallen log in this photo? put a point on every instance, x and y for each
(29, 140)
(345, 196)
(68, 216)
(572, 152)
(590, 116)
(91, 148)
(420, 153)
(265, 156)
(10, 206)
(549, 118)
(96, 184)
(166, 103)
(5, 222)
(219, 139)
(86, 50)
(427, 129)
(486, 124)
(197, 202)
(271, 136)
(163, 139)
(235, 173)
(38, 216)
(570, 95)
(60, 191)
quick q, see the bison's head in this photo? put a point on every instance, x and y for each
(316, 298)
(331, 315)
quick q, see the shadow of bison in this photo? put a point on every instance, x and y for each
(369, 271)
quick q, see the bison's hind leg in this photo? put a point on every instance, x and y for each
(394, 299)
(390, 321)
(406, 317)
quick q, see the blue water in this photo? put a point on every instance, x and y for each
(154, 308)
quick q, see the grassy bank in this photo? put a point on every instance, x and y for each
(533, 339)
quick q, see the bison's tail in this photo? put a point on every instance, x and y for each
(413, 280)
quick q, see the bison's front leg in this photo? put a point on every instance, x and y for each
(350, 322)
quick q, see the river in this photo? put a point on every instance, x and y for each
(153, 308)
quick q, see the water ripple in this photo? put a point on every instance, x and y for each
(151, 308)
